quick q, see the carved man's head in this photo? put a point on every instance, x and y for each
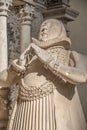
(52, 32)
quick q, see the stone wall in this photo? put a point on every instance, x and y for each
(13, 28)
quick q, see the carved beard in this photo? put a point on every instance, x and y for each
(52, 42)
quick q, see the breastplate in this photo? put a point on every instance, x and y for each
(61, 54)
(31, 92)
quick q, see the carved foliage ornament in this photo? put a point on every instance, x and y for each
(4, 4)
(27, 13)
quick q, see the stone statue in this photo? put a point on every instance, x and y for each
(47, 73)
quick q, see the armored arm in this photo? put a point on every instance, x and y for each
(13, 74)
(73, 75)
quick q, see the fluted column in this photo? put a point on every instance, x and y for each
(4, 7)
(26, 17)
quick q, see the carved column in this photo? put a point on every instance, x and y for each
(4, 5)
(26, 17)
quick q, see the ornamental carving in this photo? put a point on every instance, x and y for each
(52, 2)
(4, 5)
(26, 14)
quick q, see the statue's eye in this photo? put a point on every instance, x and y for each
(43, 29)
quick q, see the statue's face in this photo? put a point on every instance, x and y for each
(52, 31)
(44, 31)
(48, 31)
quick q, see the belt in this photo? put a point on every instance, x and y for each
(32, 93)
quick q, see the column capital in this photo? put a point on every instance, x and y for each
(4, 7)
(26, 14)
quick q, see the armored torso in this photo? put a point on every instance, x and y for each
(40, 81)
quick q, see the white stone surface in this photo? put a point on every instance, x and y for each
(25, 36)
(48, 97)
(3, 43)
(4, 5)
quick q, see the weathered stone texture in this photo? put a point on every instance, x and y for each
(36, 23)
(13, 28)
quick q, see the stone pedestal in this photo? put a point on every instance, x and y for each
(4, 5)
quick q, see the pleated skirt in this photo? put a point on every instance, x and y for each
(38, 114)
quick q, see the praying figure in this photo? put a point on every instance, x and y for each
(47, 73)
